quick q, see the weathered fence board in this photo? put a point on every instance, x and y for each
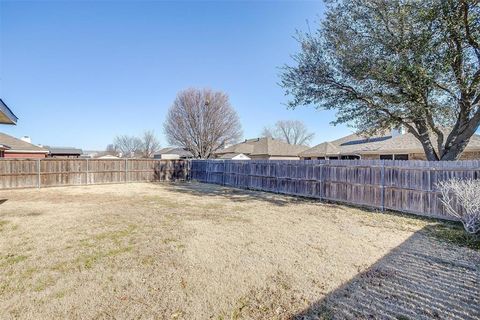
(406, 186)
(36, 173)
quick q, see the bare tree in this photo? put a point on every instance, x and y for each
(464, 193)
(111, 149)
(290, 131)
(150, 144)
(267, 132)
(128, 146)
(202, 121)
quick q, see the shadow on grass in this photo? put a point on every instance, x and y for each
(423, 278)
(238, 195)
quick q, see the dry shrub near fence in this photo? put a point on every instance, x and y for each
(405, 186)
(39, 173)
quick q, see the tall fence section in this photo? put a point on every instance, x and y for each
(406, 186)
(39, 173)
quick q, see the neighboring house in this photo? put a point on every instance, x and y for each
(108, 156)
(395, 146)
(64, 152)
(11, 147)
(6, 115)
(263, 149)
(93, 154)
(89, 154)
(234, 156)
(173, 153)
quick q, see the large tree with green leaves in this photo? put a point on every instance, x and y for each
(391, 63)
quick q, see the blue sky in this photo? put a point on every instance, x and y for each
(79, 73)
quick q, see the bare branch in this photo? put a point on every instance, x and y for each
(460, 199)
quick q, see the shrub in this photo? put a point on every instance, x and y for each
(461, 199)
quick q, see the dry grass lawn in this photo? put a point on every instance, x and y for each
(193, 251)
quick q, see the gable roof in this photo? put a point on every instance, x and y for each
(407, 143)
(17, 145)
(174, 150)
(227, 156)
(6, 115)
(326, 148)
(355, 144)
(64, 150)
(264, 146)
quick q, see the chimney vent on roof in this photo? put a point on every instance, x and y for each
(26, 139)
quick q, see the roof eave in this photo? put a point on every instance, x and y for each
(5, 110)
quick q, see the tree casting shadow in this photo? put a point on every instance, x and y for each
(423, 278)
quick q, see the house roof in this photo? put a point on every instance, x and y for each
(17, 145)
(408, 143)
(264, 146)
(108, 156)
(231, 155)
(174, 150)
(386, 144)
(326, 148)
(6, 115)
(64, 150)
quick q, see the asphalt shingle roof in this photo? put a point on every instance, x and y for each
(174, 150)
(64, 150)
(356, 144)
(15, 144)
(264, 146)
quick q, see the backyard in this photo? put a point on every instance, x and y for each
(199, 251)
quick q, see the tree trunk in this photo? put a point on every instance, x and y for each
(455, 151)
(423, 136)
(459, 138)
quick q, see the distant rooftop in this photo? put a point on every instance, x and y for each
(15, 144)
(263, 146)
(175, 150)
(64, 150)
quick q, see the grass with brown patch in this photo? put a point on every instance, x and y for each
(187, 251)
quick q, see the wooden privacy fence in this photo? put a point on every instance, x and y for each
(38, 173)
(406, 186)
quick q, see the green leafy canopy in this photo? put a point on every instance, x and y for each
(390, 63)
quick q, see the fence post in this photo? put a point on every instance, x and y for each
(39, 179)
(223, 173)
(322, 183)
(383, 185)
(86, 182)
(126, 169)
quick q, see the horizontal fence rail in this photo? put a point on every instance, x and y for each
(39, 173)
(405, 186)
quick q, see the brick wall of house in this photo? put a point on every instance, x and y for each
(370, 157)
(24, 155)
(470, 156)
(417, 156)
